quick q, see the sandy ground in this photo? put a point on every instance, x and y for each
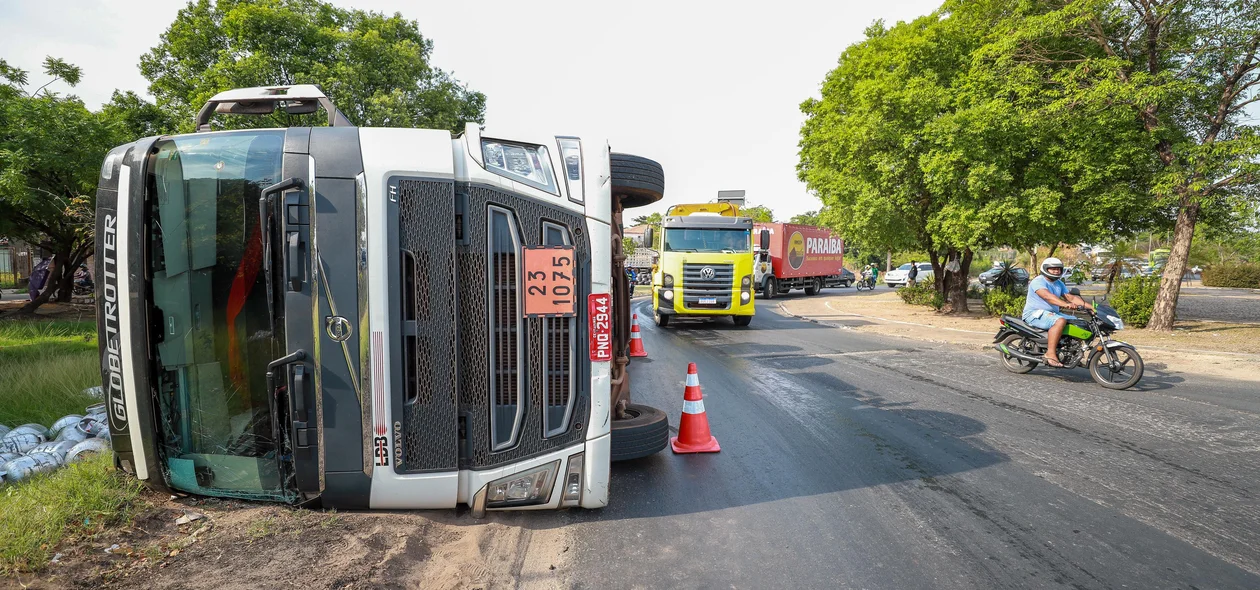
(1210, 348)
(243, 545)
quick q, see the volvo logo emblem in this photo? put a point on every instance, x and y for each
(706, 273)
(338, 328)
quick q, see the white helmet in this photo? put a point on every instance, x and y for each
(1050, 263)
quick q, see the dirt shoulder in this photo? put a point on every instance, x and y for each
(243, 545)
(1200, 347)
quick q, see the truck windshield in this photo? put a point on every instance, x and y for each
(210, 299)
(708, 240)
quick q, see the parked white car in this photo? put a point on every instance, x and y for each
(897, 276)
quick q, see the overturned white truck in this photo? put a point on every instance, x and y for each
(368, 317)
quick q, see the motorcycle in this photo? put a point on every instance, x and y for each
(867, 283)
(1085, 341)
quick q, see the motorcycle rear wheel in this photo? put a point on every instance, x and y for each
(1126, 373)
(1016, 365)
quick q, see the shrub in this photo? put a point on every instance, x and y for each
(1135, 300)
(975, 292)
(922, 295)
(999, 302)
(1246, 276)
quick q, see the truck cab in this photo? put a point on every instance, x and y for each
(705, 264)
(363, 317)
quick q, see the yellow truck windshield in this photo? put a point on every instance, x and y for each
(708, 240)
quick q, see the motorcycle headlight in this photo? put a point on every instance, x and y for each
(1117, 322)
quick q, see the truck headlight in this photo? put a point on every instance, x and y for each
(571, 165)
(573, 481)
(526, 488)
(668, 281)
(745, 296)
(524, 163)
(667, 294)
(747, 282)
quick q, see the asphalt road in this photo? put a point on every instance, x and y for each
(858, 461)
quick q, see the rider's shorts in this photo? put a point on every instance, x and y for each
(1045, 319)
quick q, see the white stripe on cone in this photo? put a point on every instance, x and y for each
(696, 407)
(634, 335)
(693, 380)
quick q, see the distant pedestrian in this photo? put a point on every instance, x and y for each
(913, 274)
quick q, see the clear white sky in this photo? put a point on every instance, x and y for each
(711, 90)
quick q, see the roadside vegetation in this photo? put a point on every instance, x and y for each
(44, 368)
(1244, 276)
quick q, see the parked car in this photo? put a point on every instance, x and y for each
(847, 278)
(988, 277)
(897, 276)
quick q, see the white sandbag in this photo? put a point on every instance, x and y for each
(86, 448)
(63, 423)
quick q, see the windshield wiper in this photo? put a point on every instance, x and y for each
(264, 226)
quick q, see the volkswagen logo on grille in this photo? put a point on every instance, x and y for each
(706, 273)
(338, 328)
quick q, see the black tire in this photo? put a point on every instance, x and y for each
(662, 320)
(636, 180)
(1013, 364)
(767, 288)
(1099, 364)
(742, 320)
(812, 288)
(644, 431)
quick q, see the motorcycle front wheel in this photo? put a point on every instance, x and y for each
(1122, 374)
(1017, 365)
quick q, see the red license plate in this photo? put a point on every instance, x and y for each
(599, 314)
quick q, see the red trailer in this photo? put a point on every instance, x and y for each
(800, 257)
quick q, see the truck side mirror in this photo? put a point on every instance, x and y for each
(648, 234)
(765, 239)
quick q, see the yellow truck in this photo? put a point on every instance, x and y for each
(705, 266)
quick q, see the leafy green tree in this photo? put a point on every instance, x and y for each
(653, 220)
(758, 213)
(926, 139)
(51, 148)
(1185, 71)
(628, 245)
(807, 218)
(376, 68)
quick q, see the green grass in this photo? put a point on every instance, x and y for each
(44, 367)
(82, 498)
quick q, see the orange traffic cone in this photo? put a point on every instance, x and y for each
(693, 428)
(636, 341)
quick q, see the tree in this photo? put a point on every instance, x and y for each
(51, 148)
(628, 245)
(1185, 71)
(925, 138)
(758, 213)
(653, 220)
(807, 218)
(375, 68)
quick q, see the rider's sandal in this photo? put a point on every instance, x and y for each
(1053, 362)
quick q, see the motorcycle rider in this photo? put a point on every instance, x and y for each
(1047, 294)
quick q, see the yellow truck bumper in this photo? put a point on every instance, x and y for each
(673, 306)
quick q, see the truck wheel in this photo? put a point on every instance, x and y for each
(742, 320)
(637, 180)
(661, 319)
(812, 288)
(643, 432)
(771, 288)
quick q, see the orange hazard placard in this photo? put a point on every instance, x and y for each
(550, 282)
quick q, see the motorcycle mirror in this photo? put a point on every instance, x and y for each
(1075, 291)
